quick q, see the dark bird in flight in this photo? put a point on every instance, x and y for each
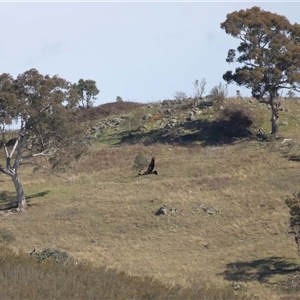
(150, 168)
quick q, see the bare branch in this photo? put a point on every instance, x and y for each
(45, 168)
(14, 147)
(47, 152)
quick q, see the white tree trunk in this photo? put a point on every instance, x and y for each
(22, 205)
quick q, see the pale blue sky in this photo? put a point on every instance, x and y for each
(141, 51)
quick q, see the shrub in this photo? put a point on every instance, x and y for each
(180, 96)
(199, 88)
(59, 256)
(294, 206)
(140, 162)
(235, 120)
(219, 93)
(7, 236)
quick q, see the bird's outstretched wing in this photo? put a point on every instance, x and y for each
(151, 165)
(150, 168)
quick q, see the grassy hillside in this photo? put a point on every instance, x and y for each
(225, 232)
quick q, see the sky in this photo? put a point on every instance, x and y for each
(141, 51)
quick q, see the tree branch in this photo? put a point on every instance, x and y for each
(43, 167)
(47, 152)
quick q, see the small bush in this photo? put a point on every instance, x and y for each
(219, 93)
(294, 206)
(7, 236)
(235, 120)
(180, 96)
(140, 162)
(59, 256)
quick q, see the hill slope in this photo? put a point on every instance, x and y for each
(226, 223)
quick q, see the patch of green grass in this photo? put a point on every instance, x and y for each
(225, 225)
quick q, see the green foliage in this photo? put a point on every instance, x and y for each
(269, 53)
(140, 162)
(119, 99)
(7, 236)
(269, 50)
(87, 91)
(45, 108)
(58, 256)
(8, 100)
(136, 121)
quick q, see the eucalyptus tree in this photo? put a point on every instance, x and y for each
(87, 91)
(48, 134)
(269, 52)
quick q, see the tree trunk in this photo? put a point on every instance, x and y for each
(22, 205)
(274, 117)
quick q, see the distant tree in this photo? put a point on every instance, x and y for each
(180, 96)
(270, 54)
(119, 99)
(199, 88)
(44, 109)
(87, 91)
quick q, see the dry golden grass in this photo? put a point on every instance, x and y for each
(230, 225)
(105, 215)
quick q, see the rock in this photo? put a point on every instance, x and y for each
(161, 211)
(173, 210)
(142, 128)
(115, 121)
(197, 112)
(211, 210)
(147, 117)
(171, 123)
(167, 111)
(159, 123)
(181, 131)
(191, 118)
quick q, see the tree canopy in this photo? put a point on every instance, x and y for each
(87, 91)
(269, 51)
(43, 109)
